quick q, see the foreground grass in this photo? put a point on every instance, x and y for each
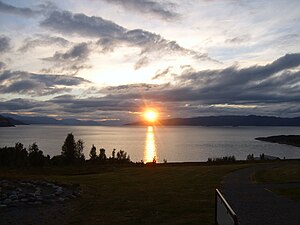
(283, 173)
(138, 195)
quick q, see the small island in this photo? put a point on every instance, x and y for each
(293, 140)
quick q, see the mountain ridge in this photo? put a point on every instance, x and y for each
(225, 120)
(46, 120)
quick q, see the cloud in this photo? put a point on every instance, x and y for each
(77, 53)
(111, 34)
(26, 12)
(163, 10)
(144, 61)
(36, 84)
(2, 66)
(262, 87)
(277, 82)
(162, 73)
(18, 104)
(238, 39)
(43, 40)
(4, 44)
(70, 61)
(271, 89)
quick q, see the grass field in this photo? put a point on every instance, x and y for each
(283, 173)
(137, 195)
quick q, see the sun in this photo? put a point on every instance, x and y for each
(150, 116)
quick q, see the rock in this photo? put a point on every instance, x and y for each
(13, 193)
(3, 206)
(61, 199)
(24, 200)
(13, 197)
(22, 195)
(7, 201)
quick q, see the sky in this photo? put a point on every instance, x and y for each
(109, 60)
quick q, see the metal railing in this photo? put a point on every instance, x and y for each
(224, 214)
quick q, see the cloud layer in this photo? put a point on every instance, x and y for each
(36, 84)
(27, 12)
(263, 89)
(111, 34)
(161, 10)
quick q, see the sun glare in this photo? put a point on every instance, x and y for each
(150, 116)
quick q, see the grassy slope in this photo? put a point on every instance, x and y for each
(146, 195)
(283, 173)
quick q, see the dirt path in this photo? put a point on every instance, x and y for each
(256, 204)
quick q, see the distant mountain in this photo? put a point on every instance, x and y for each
(4, 122)
(250, 120)
(9, 122)
(45, 120)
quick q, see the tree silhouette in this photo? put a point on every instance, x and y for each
(69, 149)
(79, 150)
(122, 156)
(35, 156)
(93, 153)
(102, 155)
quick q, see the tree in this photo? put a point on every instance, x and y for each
(69, 149)
(102, 155)
(79, 150)
(250, 157)
(93, 153)
(122, 156)
(113, 154)
(36, 157)
(20, 155)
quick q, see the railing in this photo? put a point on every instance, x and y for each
(224, 214)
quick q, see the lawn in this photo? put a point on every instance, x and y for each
(137, 195)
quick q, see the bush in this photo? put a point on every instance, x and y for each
(222, 159)
(14, 156)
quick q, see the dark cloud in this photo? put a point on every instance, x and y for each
(112, 35)
(4, 44)
(43, 40)
(78, 52)
(68, 23)
(26, 12)
(20, 104)
(70, 61)
(163, 10)
(36, 84)
(144, 61)
(130, 88)
(162, 73)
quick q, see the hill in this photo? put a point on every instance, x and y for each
(293, 140)
(9, 122)
(46, 120)
(250, 120)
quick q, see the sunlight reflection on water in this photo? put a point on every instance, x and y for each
(150, 146)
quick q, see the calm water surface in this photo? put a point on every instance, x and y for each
(176, 144)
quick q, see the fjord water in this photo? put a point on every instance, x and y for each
(176, 144)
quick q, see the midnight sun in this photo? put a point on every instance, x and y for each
(150, 116)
